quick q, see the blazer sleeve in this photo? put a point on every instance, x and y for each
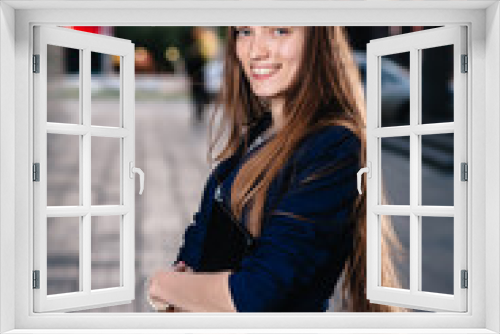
(194, 236)
(307, 226)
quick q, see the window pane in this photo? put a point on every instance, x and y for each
(105, 89)
(63, 84)
(437, 254)
(437, 169)
(63, 261)
(437, 84)
(106, 171)
(395, 89)
(395, 256)
(63, 170)
(106, 252)
(395, 166)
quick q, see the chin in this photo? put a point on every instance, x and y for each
(267, 93)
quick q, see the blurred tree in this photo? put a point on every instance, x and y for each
(222, 32)
(156, 40)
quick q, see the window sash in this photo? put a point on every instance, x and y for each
(86, 297)
(413, 298)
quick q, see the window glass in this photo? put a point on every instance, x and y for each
(106, 170)
(105, 86)
(437, 169)
(399, 253)
(63, 85)
(437, 84)
(395, 166)
(63, 170)
(63, 255)
(437, 254)
(106, 248)
(395, 89)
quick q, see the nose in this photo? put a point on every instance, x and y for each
(259, 48)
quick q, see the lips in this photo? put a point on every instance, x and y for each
(264, 72)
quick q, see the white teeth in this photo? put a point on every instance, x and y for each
(263, 71)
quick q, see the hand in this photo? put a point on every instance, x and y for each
(154, 292)
(181, 266)
(154, 289)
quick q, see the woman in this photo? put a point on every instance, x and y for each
(294, 107)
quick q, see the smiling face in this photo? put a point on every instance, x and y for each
(270, 57)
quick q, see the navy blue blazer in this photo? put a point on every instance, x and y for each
(307, 231)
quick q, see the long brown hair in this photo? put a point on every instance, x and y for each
(330, 93)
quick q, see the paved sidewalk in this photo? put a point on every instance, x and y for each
(172, 154)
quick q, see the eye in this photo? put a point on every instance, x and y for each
(241, 32)
(281, 31)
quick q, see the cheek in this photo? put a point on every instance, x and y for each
(292, 55)
(242, 49)
(292, 51)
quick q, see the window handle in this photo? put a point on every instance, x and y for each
(135, 170)
(367, 170)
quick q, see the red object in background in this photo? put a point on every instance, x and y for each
(93, 29)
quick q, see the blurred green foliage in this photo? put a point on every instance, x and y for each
(158, 39)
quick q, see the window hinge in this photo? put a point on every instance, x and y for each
(36, 172)
(464, 172)
(36, 63)
(465, 279)
(465, 63)
(36, 279)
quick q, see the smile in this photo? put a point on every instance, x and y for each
(261, 73)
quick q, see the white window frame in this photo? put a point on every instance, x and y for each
(85, 297)
(414, 43)
(483, 20)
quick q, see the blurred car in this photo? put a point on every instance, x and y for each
(395, 86)
(212, 73)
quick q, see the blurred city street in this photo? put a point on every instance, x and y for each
(172, 147)
(172, 153)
